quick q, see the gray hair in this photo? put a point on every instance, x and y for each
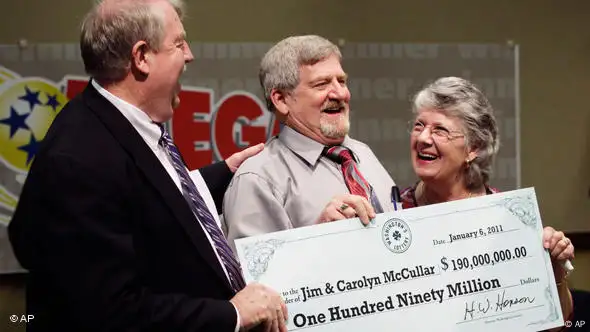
(461, 99)
(279, 68)
(110, 30)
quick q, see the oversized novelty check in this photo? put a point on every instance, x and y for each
(471, 265)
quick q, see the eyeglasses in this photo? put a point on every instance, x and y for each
(415, 128)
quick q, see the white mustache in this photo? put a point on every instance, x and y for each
(334, 105)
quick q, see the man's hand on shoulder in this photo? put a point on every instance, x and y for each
(235, 160)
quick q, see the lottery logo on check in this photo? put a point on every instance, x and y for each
(396, 235)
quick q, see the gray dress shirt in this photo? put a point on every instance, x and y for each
(289, 183)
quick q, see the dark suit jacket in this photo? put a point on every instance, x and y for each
(107, 237)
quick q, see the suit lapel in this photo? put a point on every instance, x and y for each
(154, 172)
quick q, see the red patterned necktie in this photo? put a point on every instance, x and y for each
(356, 183)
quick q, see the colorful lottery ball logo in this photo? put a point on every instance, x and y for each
(27, 109)
(28, 106)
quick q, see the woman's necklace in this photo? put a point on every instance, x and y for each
(424, 196)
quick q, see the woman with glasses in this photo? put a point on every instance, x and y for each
(453, 141)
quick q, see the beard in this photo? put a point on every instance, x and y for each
(335, 128)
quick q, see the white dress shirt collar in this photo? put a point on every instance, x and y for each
(147, 129)
(307, 148)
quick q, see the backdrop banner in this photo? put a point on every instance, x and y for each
(223, 110)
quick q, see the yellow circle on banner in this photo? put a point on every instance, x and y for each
(27, 108)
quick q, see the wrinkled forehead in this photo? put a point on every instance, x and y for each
(328, 67)
(439, 116)
(171, 20)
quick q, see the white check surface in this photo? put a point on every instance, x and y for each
(470, 265)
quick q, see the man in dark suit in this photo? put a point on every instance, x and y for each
(115, 233)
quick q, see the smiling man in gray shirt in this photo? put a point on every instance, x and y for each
(312, 172)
